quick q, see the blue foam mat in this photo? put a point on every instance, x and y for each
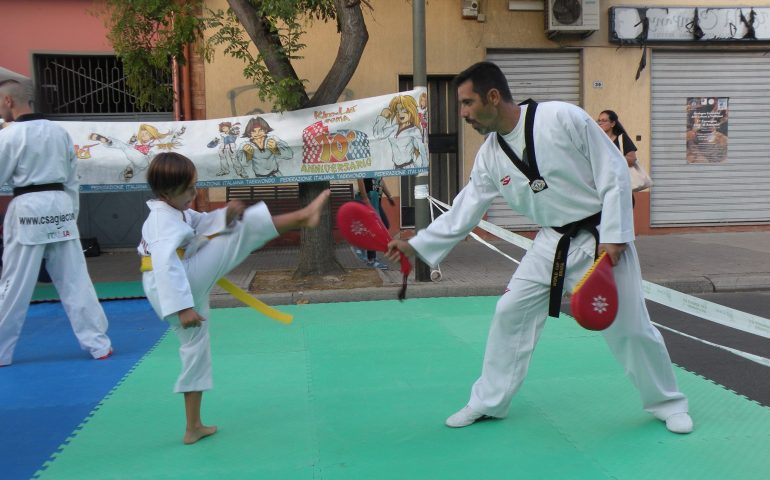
(50, 371)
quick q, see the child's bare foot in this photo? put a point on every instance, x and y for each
(192, 436)
(312, 212)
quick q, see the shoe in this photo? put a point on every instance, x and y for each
(466, 416)
(105, 357)
(359, 253)
(100, 138)
(377, 264)
(679, 423)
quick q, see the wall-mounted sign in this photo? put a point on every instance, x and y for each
(688, 24)
(706, 129)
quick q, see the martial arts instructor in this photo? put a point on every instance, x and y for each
(552, 163)
(37, 159)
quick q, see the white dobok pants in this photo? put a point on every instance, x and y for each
(210, 263)
(521, 312)
(67, 268)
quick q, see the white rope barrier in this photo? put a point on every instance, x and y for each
(698, 307)
(444, 207)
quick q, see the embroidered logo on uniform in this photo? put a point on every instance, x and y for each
(505, 180)
(600, 304)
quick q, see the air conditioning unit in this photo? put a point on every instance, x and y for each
(571, 17)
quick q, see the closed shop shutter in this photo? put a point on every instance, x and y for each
(737, 190)
(541, 76)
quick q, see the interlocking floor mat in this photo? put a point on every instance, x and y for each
(46, 292)
(361, 391)
(52, 385)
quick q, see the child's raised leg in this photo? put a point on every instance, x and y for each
(225, 252)
(195, 428)
(309, 216)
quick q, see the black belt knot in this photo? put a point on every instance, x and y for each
(44, 187)
(568, 231)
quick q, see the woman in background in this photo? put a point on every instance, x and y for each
(608, 121)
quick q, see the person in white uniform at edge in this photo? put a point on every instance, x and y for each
(179, 283)
(576, 179)
(38, 160)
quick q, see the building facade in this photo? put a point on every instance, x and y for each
(590, 53)
(687, 78)
(76, 77)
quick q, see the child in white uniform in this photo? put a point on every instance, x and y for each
(190, 251)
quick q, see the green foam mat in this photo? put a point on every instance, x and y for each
(46, 292)
(361, 391)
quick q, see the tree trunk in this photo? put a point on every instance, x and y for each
(316, 253)
(353, 39)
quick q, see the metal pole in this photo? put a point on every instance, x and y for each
(421, 204)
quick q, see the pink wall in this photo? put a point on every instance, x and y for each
(49, 26)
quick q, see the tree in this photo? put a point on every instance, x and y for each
(147, 33)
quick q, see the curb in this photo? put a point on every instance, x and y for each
(722, 283)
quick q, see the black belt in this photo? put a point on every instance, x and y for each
(271, 174)
(568, 231)
(45, 187)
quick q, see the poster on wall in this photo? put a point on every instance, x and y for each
(707, 129)
(370, 137)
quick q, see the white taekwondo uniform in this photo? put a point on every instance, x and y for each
(406, 147)
(43, 224)
(176, 283)
(585, 174)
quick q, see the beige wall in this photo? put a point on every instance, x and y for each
(454, 43)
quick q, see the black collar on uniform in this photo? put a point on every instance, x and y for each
(528, 168)
(29, 116)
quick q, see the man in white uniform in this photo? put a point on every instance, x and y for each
(38, 161)
(573, 181)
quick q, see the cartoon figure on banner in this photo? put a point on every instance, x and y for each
(263, 151)
(141, 147)
(83, 152)
(228, 135)
(400, 124)
(422, 111)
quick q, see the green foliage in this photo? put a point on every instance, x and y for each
(147, 34)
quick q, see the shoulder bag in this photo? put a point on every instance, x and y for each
(639, 178)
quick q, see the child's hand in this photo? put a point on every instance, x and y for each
(189, 318)
(235, 210)
(391, 201)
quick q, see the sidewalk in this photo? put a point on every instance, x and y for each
(690, 263)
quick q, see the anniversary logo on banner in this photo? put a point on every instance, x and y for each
(372, 137)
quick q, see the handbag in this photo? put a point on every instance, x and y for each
(639, 178)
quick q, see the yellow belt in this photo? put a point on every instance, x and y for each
(236, 292)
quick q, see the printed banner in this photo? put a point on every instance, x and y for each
(372, 137)
(707, 129)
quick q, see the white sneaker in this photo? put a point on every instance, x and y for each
(466, 416)
(679, 423)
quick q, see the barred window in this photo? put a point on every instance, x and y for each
(87, 84)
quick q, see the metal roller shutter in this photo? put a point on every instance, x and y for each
(541, 76)
(736, 191)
